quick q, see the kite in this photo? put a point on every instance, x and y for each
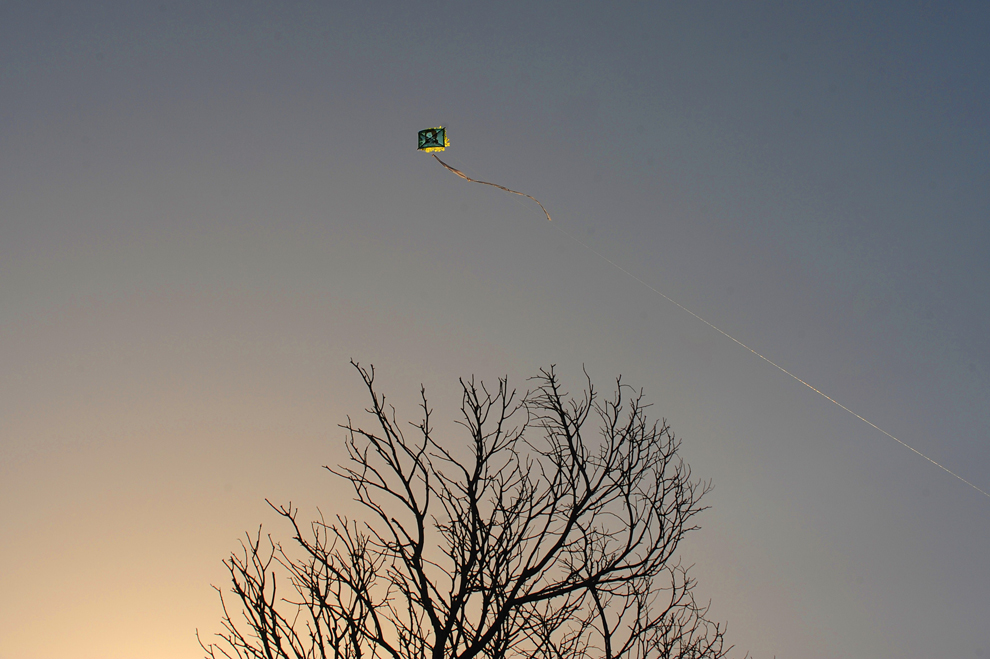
(432, 140)
(435, 139)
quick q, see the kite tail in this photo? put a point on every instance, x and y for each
(496, 185)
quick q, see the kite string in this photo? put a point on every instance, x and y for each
(494, 185)
(768, 360)
(720, 331)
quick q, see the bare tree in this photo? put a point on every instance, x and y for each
(536, 538)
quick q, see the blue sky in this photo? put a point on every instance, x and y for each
(207, 210)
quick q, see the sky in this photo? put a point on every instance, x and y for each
(208, 209)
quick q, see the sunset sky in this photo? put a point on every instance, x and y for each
(208, 209)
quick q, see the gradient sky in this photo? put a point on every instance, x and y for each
(207, 209)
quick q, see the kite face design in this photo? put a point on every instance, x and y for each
(433, 139)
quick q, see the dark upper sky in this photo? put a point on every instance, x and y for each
(206, 209)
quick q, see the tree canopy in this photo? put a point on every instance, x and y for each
(550, 531)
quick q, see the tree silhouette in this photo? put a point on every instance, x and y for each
(535, 538)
